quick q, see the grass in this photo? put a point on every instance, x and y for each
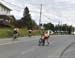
(7, 32)
(24, 32)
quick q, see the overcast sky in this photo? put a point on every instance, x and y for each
(54, 11)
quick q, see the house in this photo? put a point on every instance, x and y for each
(5, 17)
(4, 10)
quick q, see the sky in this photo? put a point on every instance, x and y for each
(54, 11)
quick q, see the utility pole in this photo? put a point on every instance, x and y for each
(40, 24)
(61, 26)
(40, 16)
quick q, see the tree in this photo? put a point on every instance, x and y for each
(26, 12)
(70, 29)
(56, 28)
(65, 28)
(49, 26)
(26, 20)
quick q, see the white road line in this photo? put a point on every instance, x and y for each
(12, 42)
(32, 49)
(8, 43)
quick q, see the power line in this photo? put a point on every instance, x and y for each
(23, 8)
(13, 5)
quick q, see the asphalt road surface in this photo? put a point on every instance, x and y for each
(61, 46)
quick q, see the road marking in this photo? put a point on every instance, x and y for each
(32, 49)
(12, 42)
(8, 43)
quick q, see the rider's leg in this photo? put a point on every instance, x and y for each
(43, 42)
(47, 42)
(39, 42)
(15, 36)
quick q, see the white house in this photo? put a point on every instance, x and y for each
(5, 16)
(4, 10)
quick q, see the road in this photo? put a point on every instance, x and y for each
(61, 46)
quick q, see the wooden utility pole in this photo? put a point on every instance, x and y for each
(40, 24)
(40, 16)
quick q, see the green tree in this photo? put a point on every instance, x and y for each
(56, 28)
(49, 26)
(65, 28)
(26, 12)
(26, 19)
(70, 29)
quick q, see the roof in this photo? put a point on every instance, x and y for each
(5, 6)
(7, 17)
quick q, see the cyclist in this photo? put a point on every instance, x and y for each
(30, 33)
(41, 40)
(46, 37)
(15, 33)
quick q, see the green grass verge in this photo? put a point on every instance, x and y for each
(7, 32)
(24, 32)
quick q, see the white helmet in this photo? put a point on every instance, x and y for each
(15, 29)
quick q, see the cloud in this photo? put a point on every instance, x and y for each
(17, 15)
(52, 10)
